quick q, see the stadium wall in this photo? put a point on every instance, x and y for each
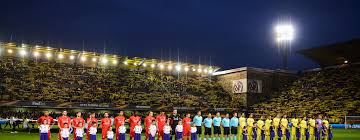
(251, 85)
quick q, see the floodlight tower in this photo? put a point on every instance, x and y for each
(284, 34)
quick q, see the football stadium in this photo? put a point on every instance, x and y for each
(302, 84)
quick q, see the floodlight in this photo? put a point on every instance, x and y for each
(199, 70)
(36, 54)
(104, 60)
(205, 70)
(83, 58)
(125, 62)
(170, 67)
(161, 66)
(23, 45)
(60, 56)
(94, 59)
(22, 52)
(284, 32)
(72, 57)
(186, 69)
(144, 65)
(10, 51)
(152, 65)
(178, 67)
(48, 55)
(135, 64)
(114, 62)
(193, 69)
(346, 61)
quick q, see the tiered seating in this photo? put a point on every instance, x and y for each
(50, 81)
(332, 91)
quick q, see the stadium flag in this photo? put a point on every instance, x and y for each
(239, 86)
(254, 86)
(246, 85)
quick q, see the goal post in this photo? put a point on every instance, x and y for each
(352, 122)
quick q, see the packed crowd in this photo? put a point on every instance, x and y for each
(50, 81)
(163, 127)
(334, 92)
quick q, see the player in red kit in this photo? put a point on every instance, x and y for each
(105, 125)
(186, 126)
(75, 122)
(90, 121)
(161, 121)
(119, 120)
(61, 120)
(49, 119)
(133, 120)
(148, 121)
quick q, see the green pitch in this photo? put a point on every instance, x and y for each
(339, 134)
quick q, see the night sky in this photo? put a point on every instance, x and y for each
(225, 33)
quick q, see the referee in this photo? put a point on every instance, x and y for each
(217, 122)
(234, 123)
(174, 120)
(198, 119)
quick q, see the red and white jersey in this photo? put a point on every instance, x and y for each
(89, 121)
(62, 120)
(133, 120)
(77, 120)
(161, 121)
(105, 123)
(148, 121)
(119, 120)
(186, 123)
(49, 119)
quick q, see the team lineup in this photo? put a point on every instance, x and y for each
(166, 128)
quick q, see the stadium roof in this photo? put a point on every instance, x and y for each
(334, 54)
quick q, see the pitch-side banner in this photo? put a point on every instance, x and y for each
(246, 85)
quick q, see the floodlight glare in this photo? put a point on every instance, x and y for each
(170, 67)
(144, 65)
(193, 69)
(205, 70)
(199, 70)
(83, 58)
(152, 65)
(72, 57)
(60, 56)
(345, 61)
(104, 60)
(10, 51)
(284, 32)
(178, 67)
(186, 69)
(48, 55)
(161, 66)
(36, 54)
(22, 52)
(93, 59)
(114, 62)
(125, 62)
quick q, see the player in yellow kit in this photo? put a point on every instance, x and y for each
(276, 122)
(303, 126)
(326, 124)
(242, 123)
(312, 128)
(284, 125)
(259, 125)
(250, 123)
(295, 124)
(268, 122)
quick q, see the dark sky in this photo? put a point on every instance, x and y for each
(233, 33)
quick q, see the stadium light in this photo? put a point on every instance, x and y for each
(94, 59)
(125, 62)
(178, 67)
(60, 56)
(346, 61)
(48, 55)
(10, 51)
(114, 62)
(152, 65)
(72, 57)
(144, 65)
(22, 52)
(193, 69)
(83, 58)
(284, 32)
(135, 64)
(36, 54)
(199, 70)
(104, 60)
(205, 70)
(161, 66)
(186, 69)
(170, 67)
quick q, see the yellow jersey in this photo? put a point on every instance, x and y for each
(260, 124)
(250, 122)
(295, 122)
(267, 124)
(284, 122)
(276, 121)
(326, 123)
(303, 124)
(312, 122)
(242, 121)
